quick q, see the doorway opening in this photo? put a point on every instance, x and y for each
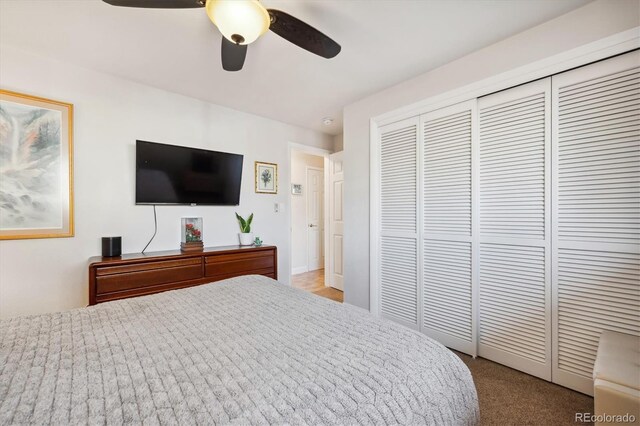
(310, 201)
(307, 212)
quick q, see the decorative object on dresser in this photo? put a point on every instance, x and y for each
(191, 231)
(245, 235)
(257, 242)
(111, 246)
(138, 274)
(266, 178)
(36, 177)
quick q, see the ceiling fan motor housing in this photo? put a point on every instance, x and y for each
(239, 21)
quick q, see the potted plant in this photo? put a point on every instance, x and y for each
(245, 235)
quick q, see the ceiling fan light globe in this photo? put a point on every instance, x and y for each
(244, 18)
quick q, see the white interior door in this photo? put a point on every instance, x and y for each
(447, 291)
(514, 256)
(315, 219)
(596, 234)
(336, 224)
(398, 246)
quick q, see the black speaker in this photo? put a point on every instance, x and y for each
(111, 246)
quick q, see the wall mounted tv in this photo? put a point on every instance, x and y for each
(169, 174)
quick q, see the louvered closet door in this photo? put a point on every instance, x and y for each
(447, 297)
(514, 252)
(398, 245)
(596, 163)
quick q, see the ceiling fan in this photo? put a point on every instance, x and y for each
(241, 22)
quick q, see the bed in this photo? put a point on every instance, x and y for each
(247, 350)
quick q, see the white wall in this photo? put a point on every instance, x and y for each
(579, 27)
(299, 163)
(338, 142)
(110, 114)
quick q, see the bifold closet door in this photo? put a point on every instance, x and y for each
(596, 215)
(514, 248)
(447, 296)
(398, 244)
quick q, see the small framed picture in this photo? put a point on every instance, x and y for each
(266, 178)
(296, 189)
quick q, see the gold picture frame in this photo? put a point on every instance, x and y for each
(266, 177)
(36, 173)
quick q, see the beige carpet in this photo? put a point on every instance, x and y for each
(510, 397)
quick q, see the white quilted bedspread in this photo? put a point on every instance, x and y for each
(243, 351)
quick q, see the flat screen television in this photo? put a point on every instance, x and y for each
(169, 174)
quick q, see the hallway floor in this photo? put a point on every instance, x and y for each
(314, 282)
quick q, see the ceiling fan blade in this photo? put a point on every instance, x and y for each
(233, 55)
(157, 4)
(303, 35)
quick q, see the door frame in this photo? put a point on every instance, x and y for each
(320, 152)
(324, 221)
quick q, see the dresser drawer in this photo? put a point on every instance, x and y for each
(127, 277)
(260, 262)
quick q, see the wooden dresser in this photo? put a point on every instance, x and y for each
(130, 275)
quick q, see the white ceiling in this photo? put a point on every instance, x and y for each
(383, 43)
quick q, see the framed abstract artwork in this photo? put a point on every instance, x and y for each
(36, 167)
(296, 188)
(266, 178)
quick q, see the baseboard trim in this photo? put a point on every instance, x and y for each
(299, 270)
